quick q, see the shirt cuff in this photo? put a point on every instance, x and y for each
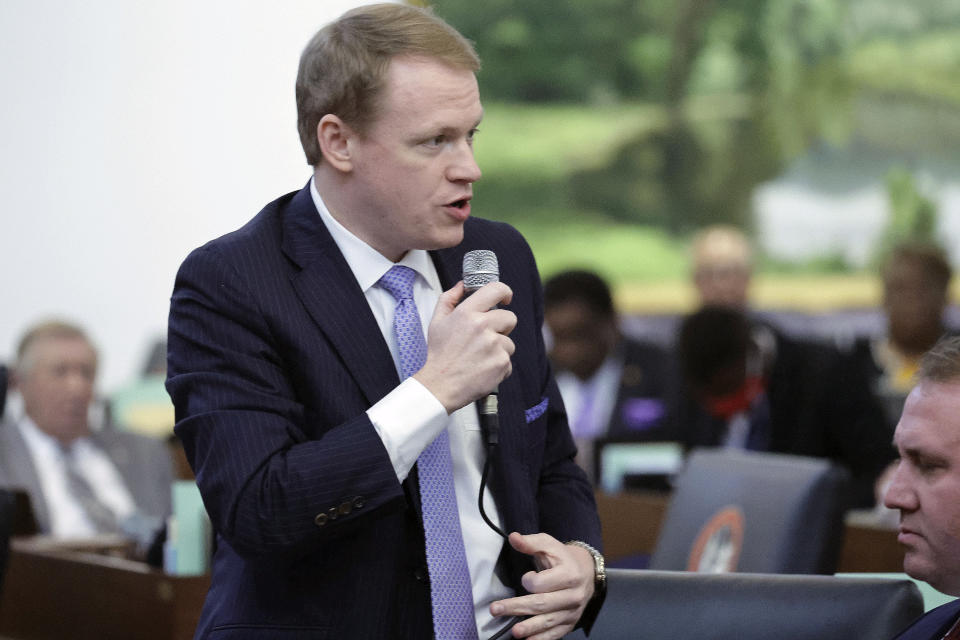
(407, 419)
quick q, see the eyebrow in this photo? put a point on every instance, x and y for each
(916, 452)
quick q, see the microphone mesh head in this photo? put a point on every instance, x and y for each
(479, 268)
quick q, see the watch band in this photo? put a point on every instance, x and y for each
(599, 564)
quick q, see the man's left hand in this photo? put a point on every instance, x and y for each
(559, 591)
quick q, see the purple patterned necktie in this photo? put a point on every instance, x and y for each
(450, 593)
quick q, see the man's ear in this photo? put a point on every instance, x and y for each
(334, 137)
(12, 381)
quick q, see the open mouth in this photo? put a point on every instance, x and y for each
(460, 204)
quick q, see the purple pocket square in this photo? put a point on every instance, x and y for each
(536, 411)
(642, 413)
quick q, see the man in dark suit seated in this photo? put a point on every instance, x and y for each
(613, 386)
(324, 364)
(748, 386)
(81, 482)
(925, 486)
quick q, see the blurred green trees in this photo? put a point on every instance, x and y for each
(912, 216)
(773, 60)
(669, 113)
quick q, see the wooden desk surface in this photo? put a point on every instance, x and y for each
(51, 594)
(631, 522)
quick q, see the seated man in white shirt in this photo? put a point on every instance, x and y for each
(80, 482)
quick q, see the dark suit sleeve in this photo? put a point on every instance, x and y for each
(244, 428)
(565, 503)
(859, 432)
(566, 508)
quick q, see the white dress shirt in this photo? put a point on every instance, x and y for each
(67, 517)
(589, 406)
(603, 386)
(410, 417)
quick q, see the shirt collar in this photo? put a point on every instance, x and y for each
(38, 439)
(367, 264)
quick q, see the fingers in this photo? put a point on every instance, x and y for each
(551, 616)
(468, 346)
(449, 299)
(483, 302)
(533, 543)
(501, 321)
(535, 604)
(488, 296)
(558, 592)
(545, 627)
(542, 546)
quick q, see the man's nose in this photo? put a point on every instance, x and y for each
(464, 167)
(898, 494)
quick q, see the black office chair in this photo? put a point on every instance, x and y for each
(8, 508)
(753, 512)
(653, 605)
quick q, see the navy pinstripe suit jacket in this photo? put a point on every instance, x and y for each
(274, 357)
(934, 624)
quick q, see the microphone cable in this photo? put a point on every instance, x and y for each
(490, 428)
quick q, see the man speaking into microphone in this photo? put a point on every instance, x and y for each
(325, 366)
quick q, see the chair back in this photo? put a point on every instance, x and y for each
(753, 512)
(651, 605)
(8, 508)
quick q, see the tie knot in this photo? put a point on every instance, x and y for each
(398, 281)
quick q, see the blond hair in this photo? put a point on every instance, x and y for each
(342, 68)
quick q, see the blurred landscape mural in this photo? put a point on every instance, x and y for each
(827, 129)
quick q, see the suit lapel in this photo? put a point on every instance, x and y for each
(448, 263)
(330, 292)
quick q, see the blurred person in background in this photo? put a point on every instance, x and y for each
(722, 266)
(612, 386)
(746, 386)
(916, 280)
(81, 482)
(925, 486)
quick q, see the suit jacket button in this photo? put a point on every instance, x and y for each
(333, 513)
(358, 502)
(345, 508)
(320, 519)
(422, 575)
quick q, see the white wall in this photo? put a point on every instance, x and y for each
(132, 131)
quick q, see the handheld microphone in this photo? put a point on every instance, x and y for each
(480, 267)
